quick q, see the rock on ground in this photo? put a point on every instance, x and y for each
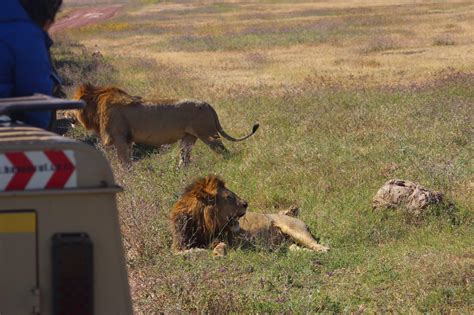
(403, 193)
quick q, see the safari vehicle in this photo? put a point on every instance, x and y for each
(60, 244)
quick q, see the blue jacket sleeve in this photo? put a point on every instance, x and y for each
(33, 72)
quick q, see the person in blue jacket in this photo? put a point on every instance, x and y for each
(25, 63)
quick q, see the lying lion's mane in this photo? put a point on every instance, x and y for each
(193, 217)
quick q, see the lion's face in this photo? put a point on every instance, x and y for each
(231, 209)
(205, 210)
(70, 115)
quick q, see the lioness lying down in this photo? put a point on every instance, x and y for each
(208, 212)
(121, 119)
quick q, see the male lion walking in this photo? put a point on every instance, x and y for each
(121, 120)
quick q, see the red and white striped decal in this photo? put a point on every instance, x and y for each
(37, 170)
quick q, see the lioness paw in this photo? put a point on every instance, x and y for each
(296, 248)
(322, 249)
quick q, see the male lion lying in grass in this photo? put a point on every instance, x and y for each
(208, 212)
(121, 119)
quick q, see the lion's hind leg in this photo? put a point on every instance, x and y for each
(298, 231)
(215, 143)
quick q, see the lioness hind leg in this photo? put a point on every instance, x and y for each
(187, 143)
(298, 231)
(292, 211)
(216, 145)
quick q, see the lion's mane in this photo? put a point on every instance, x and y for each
(194, 217)
(99, 102)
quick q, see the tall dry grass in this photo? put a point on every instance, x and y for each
(371, 96)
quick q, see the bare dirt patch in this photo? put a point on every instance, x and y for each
(86, 16)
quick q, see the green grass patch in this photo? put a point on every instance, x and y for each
(325, 148)
(329, 158)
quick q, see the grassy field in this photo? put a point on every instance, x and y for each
(349, 94)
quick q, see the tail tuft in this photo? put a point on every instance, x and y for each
(255, 127)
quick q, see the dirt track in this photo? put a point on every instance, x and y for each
(85, 16)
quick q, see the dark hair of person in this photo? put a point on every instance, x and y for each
(41, 11)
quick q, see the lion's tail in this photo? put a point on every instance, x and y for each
(226, 135)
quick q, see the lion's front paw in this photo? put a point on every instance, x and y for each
(220, 250)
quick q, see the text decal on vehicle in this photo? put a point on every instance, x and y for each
(37, 170)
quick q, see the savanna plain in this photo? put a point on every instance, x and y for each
(349, 94)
